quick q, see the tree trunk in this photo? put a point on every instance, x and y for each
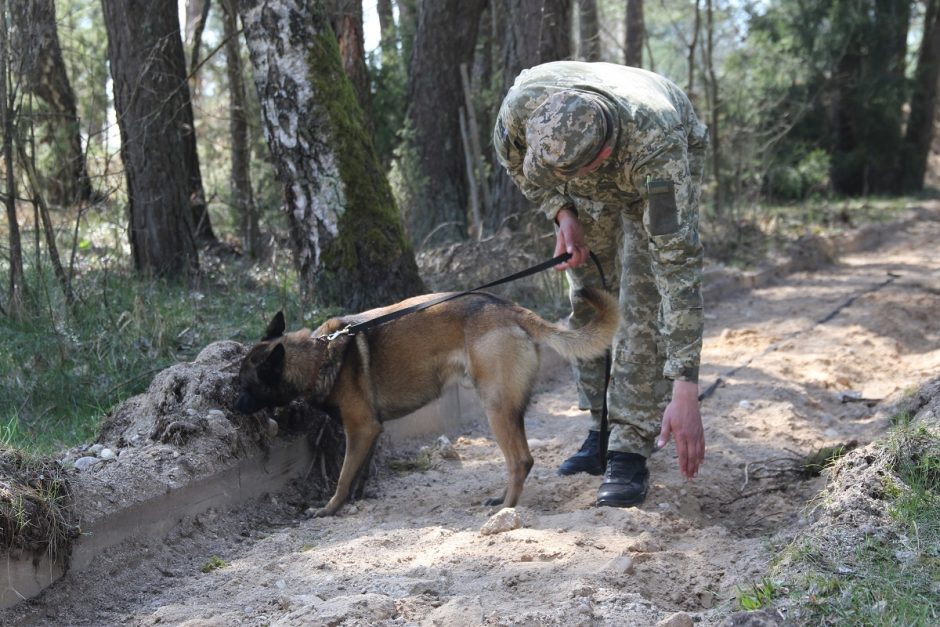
(407, 27)
(869, 88)
(920, 124)
(346, 20)
(17, 286)
(39, 61)
(693, 42)
(197, 13)
(240, 174)
(348, 242)
(713, 104)
(636, 33)
(148, 68)
(589, 31)
(536, 31)
(388, 35)
(435, 188)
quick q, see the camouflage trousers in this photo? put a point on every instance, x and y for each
(638, 392)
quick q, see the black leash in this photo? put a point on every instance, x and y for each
(604, 435)
(359, 327)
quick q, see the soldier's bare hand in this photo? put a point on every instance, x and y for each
(570, 238)
(683, 420)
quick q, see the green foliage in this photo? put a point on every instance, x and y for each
(758, 595)
(61, 372)
(213, 563)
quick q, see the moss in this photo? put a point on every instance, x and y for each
(371, 251)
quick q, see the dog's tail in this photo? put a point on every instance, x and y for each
(588, 341)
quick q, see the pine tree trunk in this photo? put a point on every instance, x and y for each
(346, 21)
(536, 31)
(636, 34)
(920, 124)
(38, 59)
(149, 73)
(589, 32)
(17, 285)
(347, 237)
(435, 198)
(240, 175)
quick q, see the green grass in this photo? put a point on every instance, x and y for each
(61, 371)
(891, 580)
(214, 563)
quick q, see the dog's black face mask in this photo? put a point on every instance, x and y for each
(261, 380)
(261, 377)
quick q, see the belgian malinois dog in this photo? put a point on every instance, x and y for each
(394, 368)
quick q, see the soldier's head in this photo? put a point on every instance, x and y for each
(567, 135)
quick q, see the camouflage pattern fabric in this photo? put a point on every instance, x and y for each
(639, 211)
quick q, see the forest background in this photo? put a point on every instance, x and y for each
(174, 173)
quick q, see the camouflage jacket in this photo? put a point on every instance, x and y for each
(656, 169)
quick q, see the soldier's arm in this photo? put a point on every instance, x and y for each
(671, 221)
(510, 150)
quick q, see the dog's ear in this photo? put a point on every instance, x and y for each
(275, 327)
(272, 368)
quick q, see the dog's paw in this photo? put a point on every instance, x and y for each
(324, 512)
(494, 500)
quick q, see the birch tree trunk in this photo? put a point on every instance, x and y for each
(348, 241)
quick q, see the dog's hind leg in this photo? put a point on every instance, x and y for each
(504, 373)
(361, 433)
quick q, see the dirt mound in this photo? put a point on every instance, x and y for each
(856, 520)
(182, 429)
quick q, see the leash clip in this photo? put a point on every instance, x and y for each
(335, 334)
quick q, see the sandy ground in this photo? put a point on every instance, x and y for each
(411, 552)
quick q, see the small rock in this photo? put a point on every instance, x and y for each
(215, 414)
(502, 521)
(106, 453)
(272, 428)
(84, 463)
(445, 449)
(620, 565)
(746, 405)
(94, 449)
(280, 584)
(706, 599)
(679, 619)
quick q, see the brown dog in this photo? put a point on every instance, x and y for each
(395, 368)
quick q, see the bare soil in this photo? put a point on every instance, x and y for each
(816, 359)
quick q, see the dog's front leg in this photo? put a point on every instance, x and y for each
(361, 432)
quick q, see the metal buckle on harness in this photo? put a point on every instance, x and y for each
(335, 334)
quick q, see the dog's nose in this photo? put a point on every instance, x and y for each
(247, 404)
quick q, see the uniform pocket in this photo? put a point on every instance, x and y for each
(663, 211)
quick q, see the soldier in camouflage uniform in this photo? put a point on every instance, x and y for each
(614, 155)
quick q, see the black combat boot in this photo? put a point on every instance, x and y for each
(625, 481)
(586, 459)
